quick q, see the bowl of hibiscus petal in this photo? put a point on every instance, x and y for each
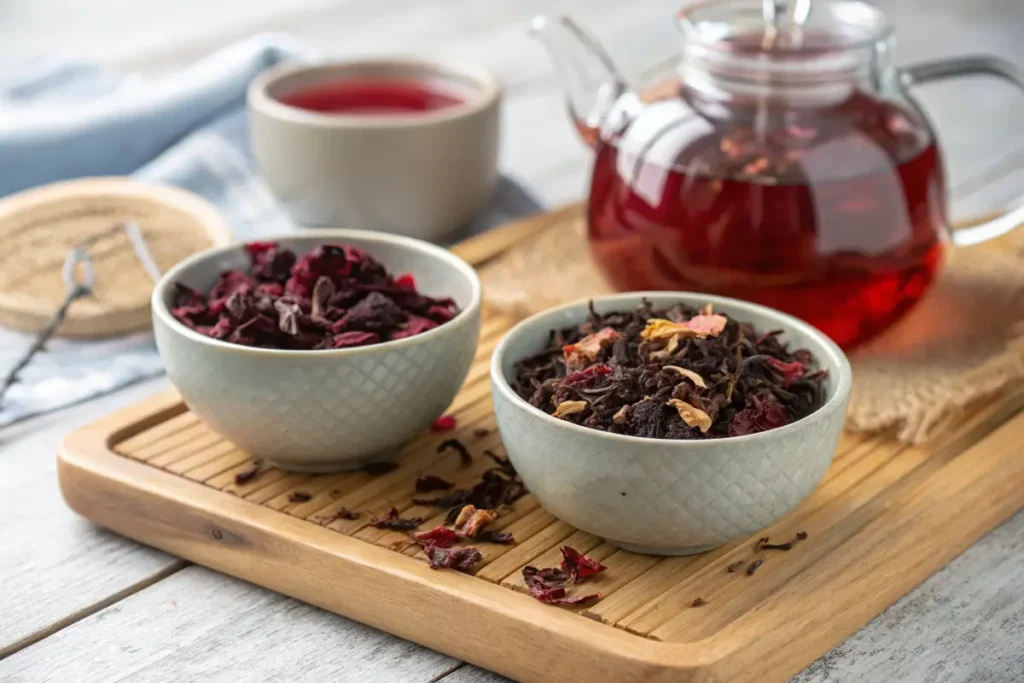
(319, 353)
(669, 423)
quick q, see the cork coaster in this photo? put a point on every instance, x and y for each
(40, 226)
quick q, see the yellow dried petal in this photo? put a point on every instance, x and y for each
(659, 328)
(697, 326)
(464, 515)
(471, 524)
(670, 348)
(620, 416)
(569, 408)
(692, 415)
(688, 374)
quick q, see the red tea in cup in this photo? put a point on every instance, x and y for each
(372, 97)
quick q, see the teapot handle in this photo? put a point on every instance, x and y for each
(972, 66)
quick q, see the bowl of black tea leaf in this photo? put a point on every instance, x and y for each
(669, 423)
(320, 352)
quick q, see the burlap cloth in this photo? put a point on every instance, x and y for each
(962, 343)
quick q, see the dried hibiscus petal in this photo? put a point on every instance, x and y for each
(758, 416)
(445, 423)
(492, 536)
(458, 447)
(578, 565)
(548, 586)
(395, 522)
(247, 475)
(349, 339)
(588, 375)
(334, 297)
(461, 559)
(430, 482)
(791, 372)
(544, 579)
(440, 536)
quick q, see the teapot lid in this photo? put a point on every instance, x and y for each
(784, 26)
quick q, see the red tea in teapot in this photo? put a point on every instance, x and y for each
(372, 97)
(833, 215)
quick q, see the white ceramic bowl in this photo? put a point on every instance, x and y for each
(320, 411)
(658, 496)
(421, 174)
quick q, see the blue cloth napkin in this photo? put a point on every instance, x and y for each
(62, 120)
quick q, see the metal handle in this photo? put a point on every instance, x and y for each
(972, 66)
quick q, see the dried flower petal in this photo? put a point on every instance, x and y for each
(454, 444)
(336, 296)
(583, 352)
(659, 328)
(471, 521)
(670, 348)
(245, 476)
(544, 579)
(556, 596)
(461, 559)
(579, 565)
(445, 423)
(342, 513)
(707, 325)
(395, 522)
(491, 536)
(566, 408)
(791, 372)
(430, 482)
(440, 536)
(758, 416)
(688, 374)
(691, 415)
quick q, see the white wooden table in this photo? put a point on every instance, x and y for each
(80, 604)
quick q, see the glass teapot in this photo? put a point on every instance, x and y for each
(787, 164)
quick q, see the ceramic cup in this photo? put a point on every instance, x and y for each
(421, 174)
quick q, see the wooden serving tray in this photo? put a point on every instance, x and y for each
(885, 517)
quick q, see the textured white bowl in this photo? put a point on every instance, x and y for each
(661, 496)
(321, 411)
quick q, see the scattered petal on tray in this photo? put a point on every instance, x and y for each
(395, 522)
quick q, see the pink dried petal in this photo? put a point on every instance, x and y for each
(445, 423)
(707, 325)
(791, 372)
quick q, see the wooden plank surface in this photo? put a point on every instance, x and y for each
(885, 517)
(979, 127)
(199, 625)
(54, 566)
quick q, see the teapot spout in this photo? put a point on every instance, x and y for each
(589, 78)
